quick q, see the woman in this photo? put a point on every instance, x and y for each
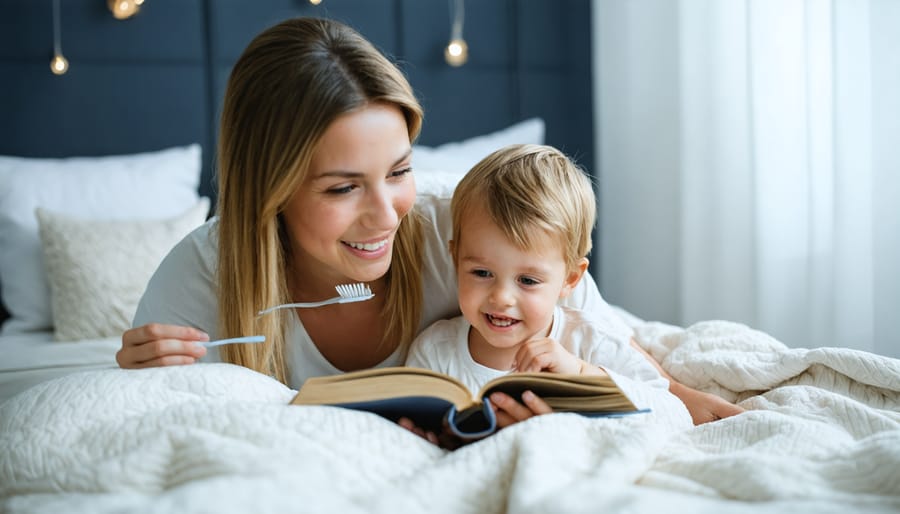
(316, 190)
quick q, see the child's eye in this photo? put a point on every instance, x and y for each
(528, 281)
(481, 273)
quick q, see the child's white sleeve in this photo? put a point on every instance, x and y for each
(664, 406)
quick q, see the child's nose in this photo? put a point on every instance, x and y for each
(501, 294)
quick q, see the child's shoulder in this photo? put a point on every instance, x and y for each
(576, 321)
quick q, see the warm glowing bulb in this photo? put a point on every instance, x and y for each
(123, 9)
(59, 65)
(457, 52)
(315, 2)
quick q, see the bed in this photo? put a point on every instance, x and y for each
(77, 434)
(821, 434)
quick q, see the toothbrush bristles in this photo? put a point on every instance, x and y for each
(353, 290)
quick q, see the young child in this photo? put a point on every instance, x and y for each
(522, 221)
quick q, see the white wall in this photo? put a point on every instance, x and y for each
(638, 260)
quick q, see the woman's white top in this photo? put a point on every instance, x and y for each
(182, 291)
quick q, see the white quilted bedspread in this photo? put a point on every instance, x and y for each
(822, 434)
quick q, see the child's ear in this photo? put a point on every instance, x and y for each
(451, 246)
(574, 277)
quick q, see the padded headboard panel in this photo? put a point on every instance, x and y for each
(157, 80)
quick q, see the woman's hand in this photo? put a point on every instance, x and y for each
(509, 411)
(154, 345)
(445, 440)
(704, 407)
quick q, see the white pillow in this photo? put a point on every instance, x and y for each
(152, 185)
(459, 157)
(439, 169)
(98, 270)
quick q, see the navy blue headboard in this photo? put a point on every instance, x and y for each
(157, 79)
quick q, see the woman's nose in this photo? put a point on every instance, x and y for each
(380, 210)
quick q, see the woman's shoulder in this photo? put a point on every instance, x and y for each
(182, 289)
(434, 208)
(438, 273)
(434, 211)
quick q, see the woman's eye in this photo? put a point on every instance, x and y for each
(341, 190)
(400, 173)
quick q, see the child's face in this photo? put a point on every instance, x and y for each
(506, 293)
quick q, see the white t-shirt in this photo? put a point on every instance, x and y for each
(444, 347)
(182, 291)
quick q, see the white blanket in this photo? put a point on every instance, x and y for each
(822, 434)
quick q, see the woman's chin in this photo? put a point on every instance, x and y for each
(369, 273)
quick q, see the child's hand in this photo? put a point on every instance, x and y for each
(546, 355)
(509, 411)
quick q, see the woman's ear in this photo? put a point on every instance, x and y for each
(573, 277)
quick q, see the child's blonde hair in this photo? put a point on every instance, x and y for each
(529, 187)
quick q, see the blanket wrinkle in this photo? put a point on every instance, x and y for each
(821, 434)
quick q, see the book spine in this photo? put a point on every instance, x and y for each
(472, 423)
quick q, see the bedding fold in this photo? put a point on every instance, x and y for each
(822, 434)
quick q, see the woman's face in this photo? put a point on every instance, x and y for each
(343, 218)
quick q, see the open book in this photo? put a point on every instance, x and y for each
(432, 399)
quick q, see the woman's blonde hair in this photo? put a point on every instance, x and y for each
(527, 190)
(288, 86)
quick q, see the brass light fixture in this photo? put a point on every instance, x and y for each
(124, 9)
(59, 64)
(457, 51)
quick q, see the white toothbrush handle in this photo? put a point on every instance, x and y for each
(246, 339)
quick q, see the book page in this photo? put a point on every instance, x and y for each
(383, 384)
(576, 393)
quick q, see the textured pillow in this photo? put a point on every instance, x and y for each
(459, 157)
(98, 270)
(152, 185)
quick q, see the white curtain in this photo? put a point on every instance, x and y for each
(775, 190)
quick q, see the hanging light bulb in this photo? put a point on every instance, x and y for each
(124, 9)
(59, 64)
(457, 51)
(315, 2)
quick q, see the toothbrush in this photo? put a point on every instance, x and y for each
(346, 293)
